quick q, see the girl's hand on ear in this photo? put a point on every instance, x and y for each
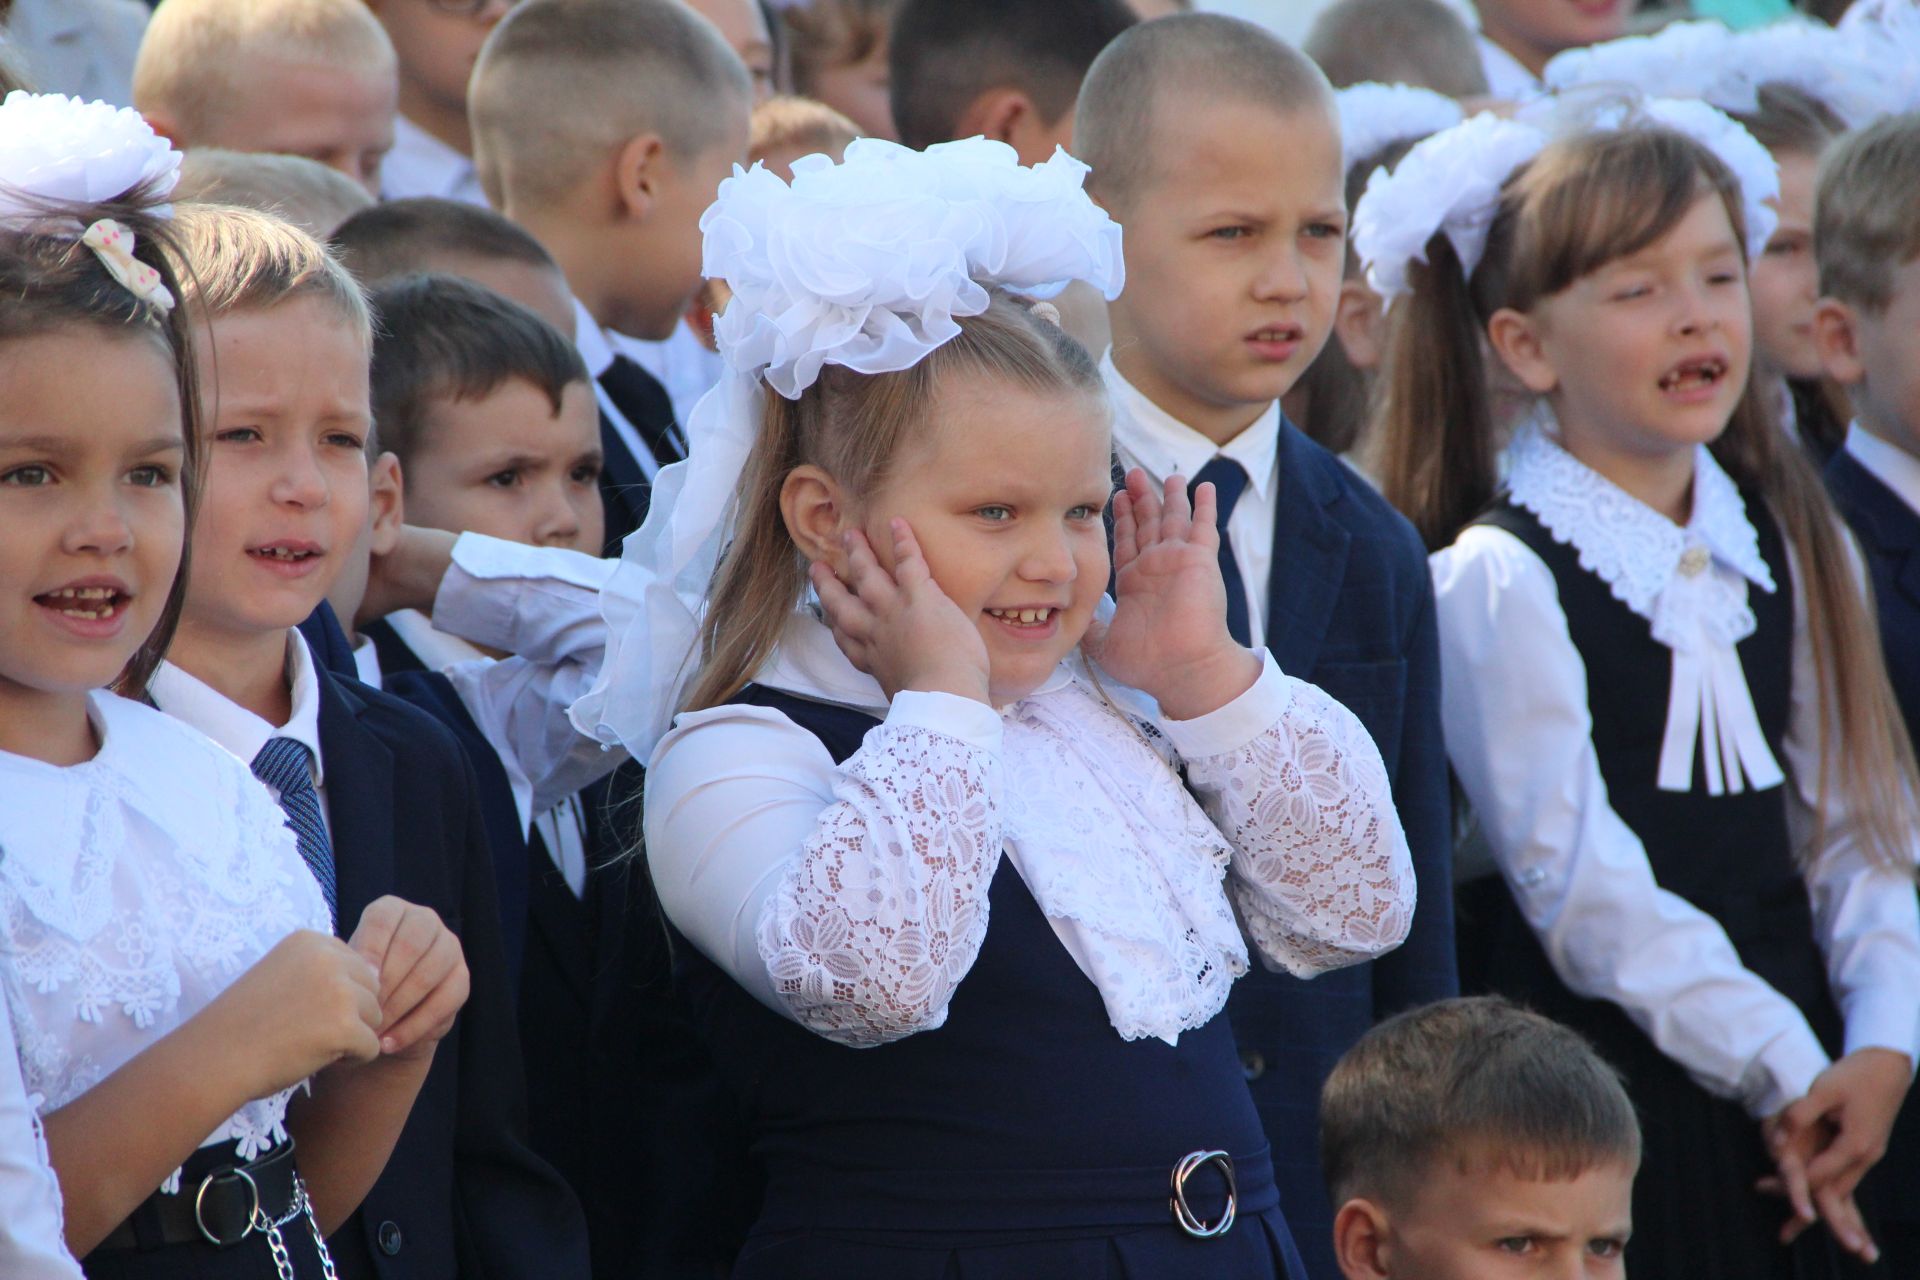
(1168, 637)
(900, 627)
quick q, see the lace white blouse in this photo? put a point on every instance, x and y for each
(1518, 728)
(853, 899)
(134, 888)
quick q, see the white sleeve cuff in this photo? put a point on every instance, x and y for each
(482, 597)
(1239, 722)
(1879, 1018)
(974, 723)
(487, 558)
(1783, 1073)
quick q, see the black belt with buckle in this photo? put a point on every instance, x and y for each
(219, 1202)
(1183, 1214)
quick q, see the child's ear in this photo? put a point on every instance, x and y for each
(1515, 339)
(386, 504)
(816, 512)
(1836, 335)
(639, 168)
(1360, 1241)
(1357, 321)
(165, 125)
(999, 114)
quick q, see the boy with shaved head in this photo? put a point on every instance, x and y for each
(605, 127)
(313, 78)
(1217, 147)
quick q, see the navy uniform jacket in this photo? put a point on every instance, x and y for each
(1349, 608)
(462, 1195)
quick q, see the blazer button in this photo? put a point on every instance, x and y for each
(1253, 1063)
(390, 1238)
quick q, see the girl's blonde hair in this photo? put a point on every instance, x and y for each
(1584, 202)
(851, 425)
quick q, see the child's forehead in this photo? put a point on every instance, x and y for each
(1198, 142)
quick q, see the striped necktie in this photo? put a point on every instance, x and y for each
(287, 767)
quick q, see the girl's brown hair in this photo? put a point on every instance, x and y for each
(51, 281)
(834, 33)
(1586, 201)
(851, 425)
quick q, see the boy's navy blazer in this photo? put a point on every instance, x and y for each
(1889, 534)
(1349, 608)
(462, 1194)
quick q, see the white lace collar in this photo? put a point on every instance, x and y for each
(1689, 582)
(1123, 862)
(1631, 547)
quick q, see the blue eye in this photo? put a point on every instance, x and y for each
(1230, 233)
(238, 435)
(1326, 231)
(996, 514)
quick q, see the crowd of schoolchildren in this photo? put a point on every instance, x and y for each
(896, 639)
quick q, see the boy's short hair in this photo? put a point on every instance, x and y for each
(192, 49)
(443, 338)
(560, 83)
(241, 259)
(1788, 118)
(1866, 214)
(798, 124)
(945, 53)
(1186, 57)
(1419, 42)
(1465, 1079)
(403, 237)
(305, 192)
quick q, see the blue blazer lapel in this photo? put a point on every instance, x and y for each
(1310, 553)
(360, 801)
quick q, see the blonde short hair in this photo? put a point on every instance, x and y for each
(305, 192)
(798, 124)
(236, 259)
(1866, 219)
(560, 83)
(1420, 42)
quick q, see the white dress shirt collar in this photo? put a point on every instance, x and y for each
(1164, 445)
(239, 730)
(421, 165)
(595, 348)
(366, 664)
(1888, 463)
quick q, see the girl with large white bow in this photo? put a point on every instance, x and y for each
(1663, 691)
(967, 856)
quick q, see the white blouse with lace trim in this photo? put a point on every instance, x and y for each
(853, 899)
(1690, 582)
(134, 888)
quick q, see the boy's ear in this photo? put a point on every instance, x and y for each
(386, 504)
(1836, 335)
(999, 114)
(1357, 322)
(639, 168)
(1360, 1241)
(816, 513)
(1515, 339)
(166, 126)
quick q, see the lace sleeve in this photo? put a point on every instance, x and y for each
(1321, 876)
(880, 916)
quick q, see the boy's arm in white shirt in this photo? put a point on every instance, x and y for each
(1321, 875)
(541, 605)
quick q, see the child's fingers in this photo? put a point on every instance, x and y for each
(418, 933)
(909, 565)
(1125, 543)
(440, 959)
(374, 934)
(844, 609)
(431, 1016)
(872, 583)
(1147, 509)
(1205, 529)
(1793, 1175)
(1176, 515)
(1842, 1217)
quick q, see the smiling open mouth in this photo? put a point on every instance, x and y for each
(87, 604)
(1693, 375)
(1024, 617)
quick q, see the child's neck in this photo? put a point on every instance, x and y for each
(1534, 60)
(1218, 423)
(435, 119)
(49, 727)
(247, 668)
(1662, 480)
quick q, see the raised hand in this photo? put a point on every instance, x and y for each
(900, 627)
(1168, 636)
(423, 979)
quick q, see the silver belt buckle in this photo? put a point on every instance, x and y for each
(199, 1198)
(1183, 1213)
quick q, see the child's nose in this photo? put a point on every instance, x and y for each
(99, 527)
(1283, 278)
(300, 482)
(1049, 559)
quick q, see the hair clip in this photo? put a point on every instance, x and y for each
(113, 245)
(1045, 311)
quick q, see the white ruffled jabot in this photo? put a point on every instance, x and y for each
(1689, 582)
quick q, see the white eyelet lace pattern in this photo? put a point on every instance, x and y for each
(128, 901)
(881, 916)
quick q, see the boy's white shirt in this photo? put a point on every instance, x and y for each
(192, 701)
(1887, 462)
(595, 345)
(1148, 437)
(421, 165)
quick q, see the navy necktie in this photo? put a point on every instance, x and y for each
(287, 767)
(1229, 481)
(644, 403)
